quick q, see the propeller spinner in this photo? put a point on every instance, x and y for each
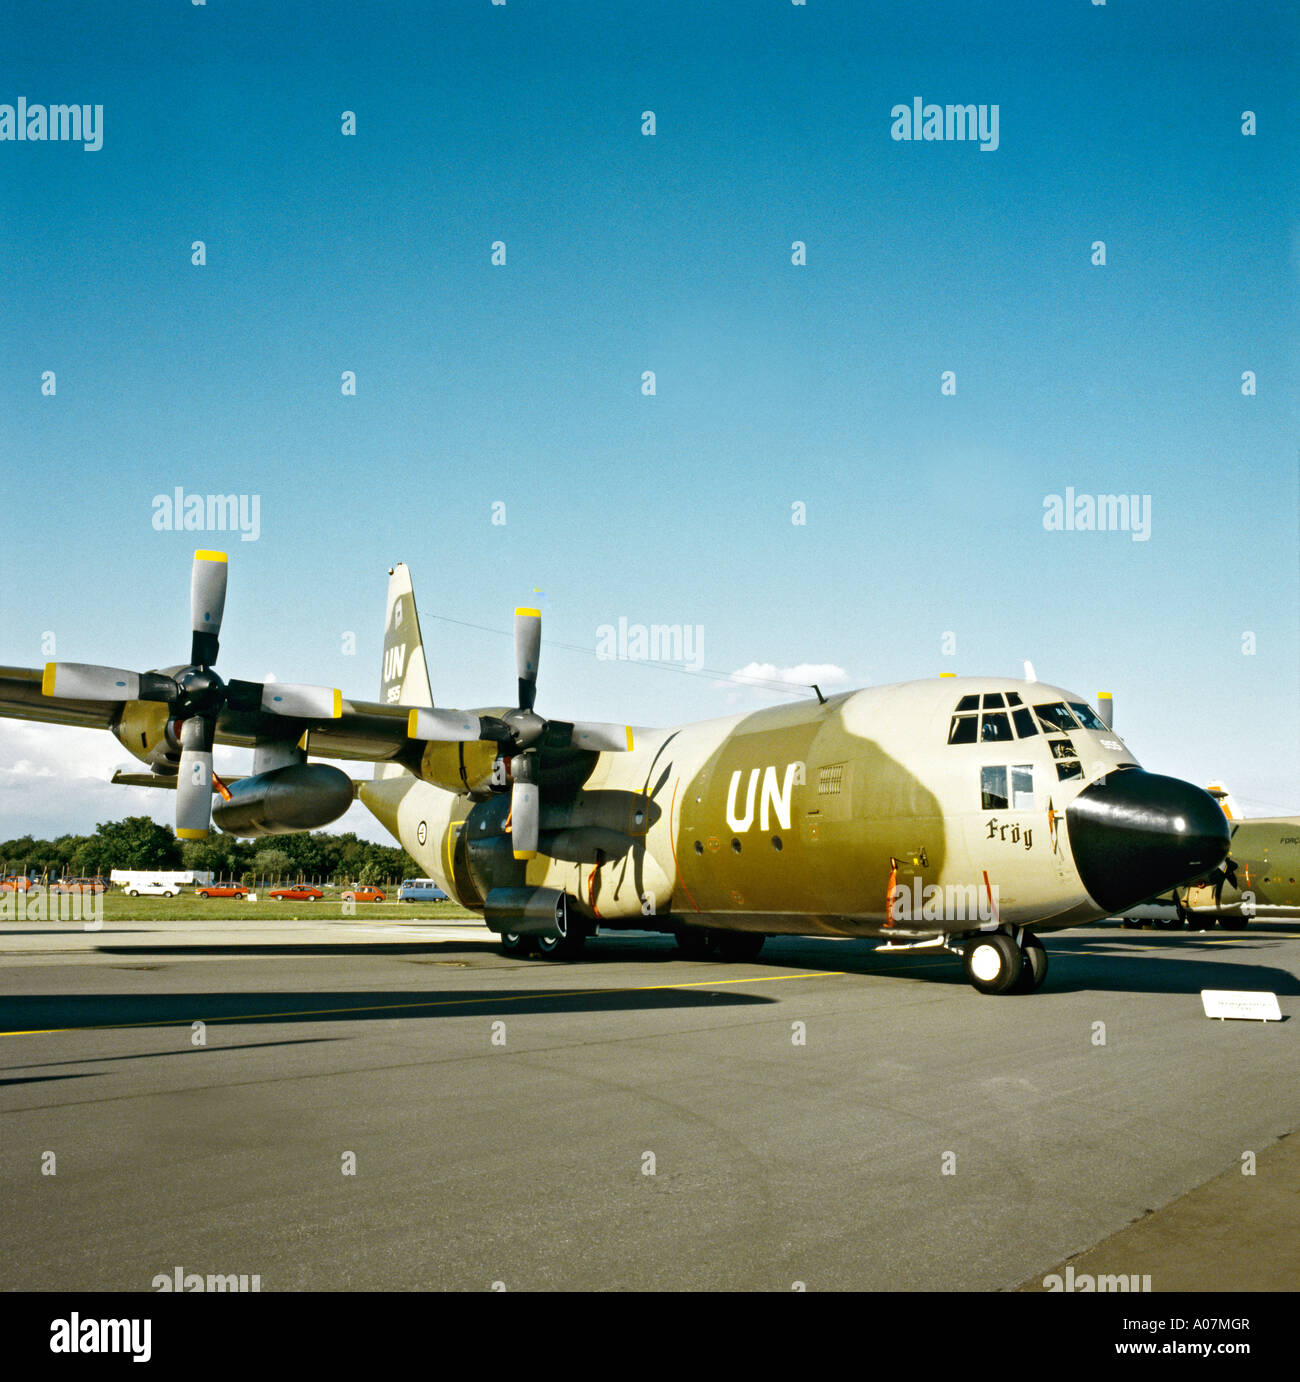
(195, 696)
(519, 731)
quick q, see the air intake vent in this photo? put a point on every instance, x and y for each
(830, 780)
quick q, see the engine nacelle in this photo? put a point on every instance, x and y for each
(145, 730)
(527, 911)
(283, 801)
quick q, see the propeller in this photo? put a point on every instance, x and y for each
(520, 732)
(195, 695)
(1106, 709)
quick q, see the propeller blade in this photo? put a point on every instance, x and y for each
(602, 738)
(1106, 709)
(194, 780)
(82, 681)
(207, 605)
(528, 645)
(443, 726)
(525, 808)
(306, 702)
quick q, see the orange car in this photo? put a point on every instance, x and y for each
(221, 890)
(15, 883)
(300, 892)
(78, 885)
(366, 894)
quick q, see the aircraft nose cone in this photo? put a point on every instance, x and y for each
(1135, 834)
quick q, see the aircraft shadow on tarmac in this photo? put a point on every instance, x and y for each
(62, 1012)
(1077, 964)
(1106, 959)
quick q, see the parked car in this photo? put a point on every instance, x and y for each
(299, 892)
(366, 894)
(15, 883)
(420, 890)
(221, 890)
(153, 887)
(78, 885)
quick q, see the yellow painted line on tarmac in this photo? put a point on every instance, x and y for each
(440, 1003)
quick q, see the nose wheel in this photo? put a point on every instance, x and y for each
(995, 963)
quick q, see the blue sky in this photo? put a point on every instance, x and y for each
(625, 253)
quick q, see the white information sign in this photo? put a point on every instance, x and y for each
(1221, 1003)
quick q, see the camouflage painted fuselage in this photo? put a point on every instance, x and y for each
(856, 817)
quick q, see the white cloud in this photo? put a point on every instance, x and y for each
(766, 678)
(805, 674)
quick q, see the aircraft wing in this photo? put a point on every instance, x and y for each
(21, 699)
(366, 730)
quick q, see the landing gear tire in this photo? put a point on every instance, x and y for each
(993, 962)
(519, 947)
(562, 947)
(1033, 967)
(694, 944)
(738, 946)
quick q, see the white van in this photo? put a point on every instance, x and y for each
(420, 890)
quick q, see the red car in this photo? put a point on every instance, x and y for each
(299, 892)
(221, 890)
(366, 894)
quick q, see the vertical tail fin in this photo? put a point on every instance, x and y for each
(404, 675)
(1221, 794)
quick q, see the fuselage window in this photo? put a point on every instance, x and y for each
(995, 728)
(1025, 726)
(1086, 717)
(1054, 717)
(1022, 786)
(963, 729)
(993, 789)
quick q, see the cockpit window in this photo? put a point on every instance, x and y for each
(995, 728)
(968, 703)
(1087, 718)
(1055, 717)
(962, 730)
(993, 789)
(1025, 726)
(1022, 786)
(993, 700)
(1013, 698)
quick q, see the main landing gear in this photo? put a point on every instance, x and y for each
(997, 962)
(566, 947)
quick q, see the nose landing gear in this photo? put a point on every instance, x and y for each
(997, 962)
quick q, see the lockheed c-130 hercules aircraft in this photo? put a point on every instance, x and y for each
(967, 814)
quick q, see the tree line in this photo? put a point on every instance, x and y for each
(139, 842)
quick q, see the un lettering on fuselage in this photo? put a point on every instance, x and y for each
(774, 800)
